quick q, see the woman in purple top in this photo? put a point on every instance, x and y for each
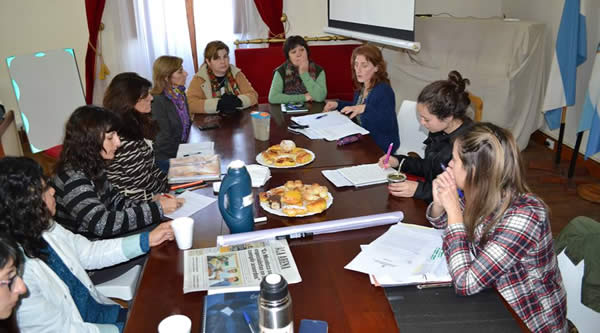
(169, 108)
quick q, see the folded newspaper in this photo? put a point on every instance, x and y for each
(193, 168)
(237, 268)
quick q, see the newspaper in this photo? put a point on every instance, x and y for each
(237, 268)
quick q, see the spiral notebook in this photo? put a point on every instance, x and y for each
(224, 313)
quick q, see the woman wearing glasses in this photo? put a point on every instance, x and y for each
(11, 283)
(61, 296)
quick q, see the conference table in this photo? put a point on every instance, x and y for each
(345, 299)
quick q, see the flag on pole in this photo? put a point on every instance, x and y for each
(569, 52)
(590, 118)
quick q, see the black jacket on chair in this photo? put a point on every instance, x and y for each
(168, 138)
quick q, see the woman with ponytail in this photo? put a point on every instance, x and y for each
(498, 235)
(442, 107)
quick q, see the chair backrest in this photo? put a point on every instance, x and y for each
(477, 104)
(412, 134)
(585, 319)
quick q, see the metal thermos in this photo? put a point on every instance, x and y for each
(275, 306)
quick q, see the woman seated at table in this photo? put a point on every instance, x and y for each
(499, 234)
(170, 108)
(61, 296)
(218, 85)
(298, 79)
(442, 107)
(11, 269)
(374, 104)
(86, 201)
(133, 170)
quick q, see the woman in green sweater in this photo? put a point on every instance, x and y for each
(298, 79)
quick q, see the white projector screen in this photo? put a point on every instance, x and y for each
(390, 19)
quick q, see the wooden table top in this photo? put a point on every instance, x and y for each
(235, 139)
(345, 299)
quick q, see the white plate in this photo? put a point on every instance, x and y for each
(265, 206)
(261, 160)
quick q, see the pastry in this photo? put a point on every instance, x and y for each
(287, 145)
(316, 206)
(275, 201)
(293, 197)
(293, 184)
(303, 157)
(285, 161)
(294, 211)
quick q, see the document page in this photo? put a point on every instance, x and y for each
(365, 174)
(200, 148)
(193, 203)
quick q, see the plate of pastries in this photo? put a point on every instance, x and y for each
(296, 199)
(285, 155)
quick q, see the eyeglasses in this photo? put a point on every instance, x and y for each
(10, 282)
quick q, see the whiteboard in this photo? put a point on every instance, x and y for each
(389, 22)
(48, 89)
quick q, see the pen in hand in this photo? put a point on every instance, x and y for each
(387, 155)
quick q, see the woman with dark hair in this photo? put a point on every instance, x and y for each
(86, 201)
(374, 104)
(498, 235)
(170, 108)
(61, 296)
(11, 281)
(219, 85)
(442, 107)
(133, 170)
(298, 79)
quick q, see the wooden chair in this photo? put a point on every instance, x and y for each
(477, 104)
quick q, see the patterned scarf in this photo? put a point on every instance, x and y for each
(177, 96)
(292, 84)
(230, 83)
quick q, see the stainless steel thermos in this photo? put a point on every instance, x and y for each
(275, 306)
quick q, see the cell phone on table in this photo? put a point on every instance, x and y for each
(294, 106)
(313, 326)
(205, 127)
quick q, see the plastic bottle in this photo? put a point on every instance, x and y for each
(237, 189)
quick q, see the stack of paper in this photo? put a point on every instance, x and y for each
(359, 175)
(200, 148)
(329, 126)
(404, 255)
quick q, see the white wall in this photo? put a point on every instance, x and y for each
(28, 26)
(549, 12)
(460, 8)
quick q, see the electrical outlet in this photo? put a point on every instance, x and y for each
(549, 143)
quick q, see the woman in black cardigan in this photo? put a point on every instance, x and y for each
(169, 108)
(442, 107)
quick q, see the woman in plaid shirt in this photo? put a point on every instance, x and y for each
(498, 235)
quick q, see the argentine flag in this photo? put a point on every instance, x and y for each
(590, 118)
(570, 51)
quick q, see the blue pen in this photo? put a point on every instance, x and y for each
(460, 192)
(248, 321)
(321, 116)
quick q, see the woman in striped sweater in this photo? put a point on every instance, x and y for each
(133, 171)
(86, 201)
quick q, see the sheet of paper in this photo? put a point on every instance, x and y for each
(365, 174)
(188, 149)
(336, 178)
(193, 203)
(329, 126)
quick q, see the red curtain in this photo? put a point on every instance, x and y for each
(93, 10)
(270, 12)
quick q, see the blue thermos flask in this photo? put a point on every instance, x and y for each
(236, 189)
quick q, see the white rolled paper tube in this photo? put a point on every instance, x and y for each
(350, 223)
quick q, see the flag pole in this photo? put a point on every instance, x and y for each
(561, 134)
(575, 154)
